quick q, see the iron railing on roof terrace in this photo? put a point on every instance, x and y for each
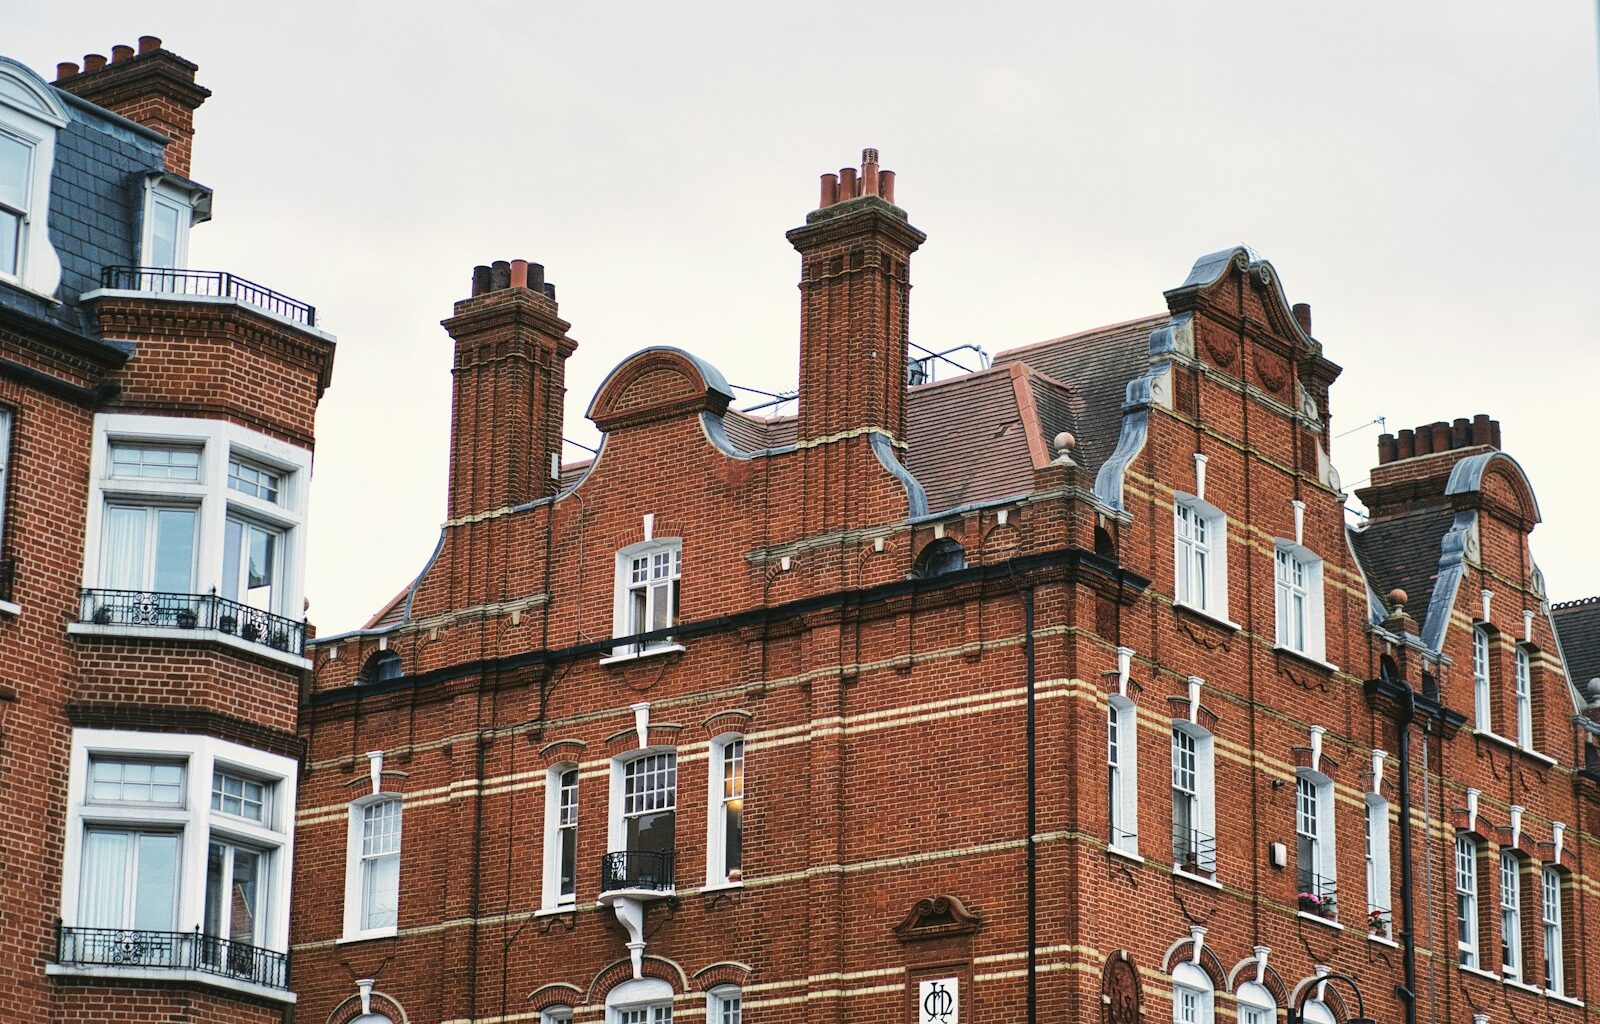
(8, 579)
(193, 611)
(637, 869)
(177, 951)
(175, 281)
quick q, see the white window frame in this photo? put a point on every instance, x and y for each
(622, 606)
(719, 796)
(725, 1005)
(1524, 682)
(1122, 774)
(160, 190)
(557, 827)
(31, 113)
(1191, 983)
(555, 1015)
(1555, 949)
(1510, 915)
(617, 824)
(192, 819)
(1482, 691)
(211, 496)
(1190, 552)
(1380, 899)
(1256, 1004)
(1202, 792)
(1315, 825)
(1466, 872)
(1305, 633)
(355, 870)
(649, 994)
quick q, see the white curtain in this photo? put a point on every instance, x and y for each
(382, 896)
(105, 879)
(124, 548)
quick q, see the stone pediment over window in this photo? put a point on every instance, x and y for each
(937, 917)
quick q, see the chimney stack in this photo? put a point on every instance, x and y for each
(509, 390)
(855, 251)
(151, 86)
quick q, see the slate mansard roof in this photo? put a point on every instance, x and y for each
(1578, 629)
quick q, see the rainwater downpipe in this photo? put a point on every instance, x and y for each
(1033, 812)
(1408, 712)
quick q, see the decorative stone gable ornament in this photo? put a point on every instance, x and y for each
(937, 917)
(939, 1001)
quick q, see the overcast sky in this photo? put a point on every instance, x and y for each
(1423, 174)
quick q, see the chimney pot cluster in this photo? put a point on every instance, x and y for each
(850, 183)
(119, 53)
(1434, 438)
(1302, 316)
(503, 274)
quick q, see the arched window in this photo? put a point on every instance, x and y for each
(382, 667)
(1193, 999)
(942, 556)
(30, 116)
(641, 1001)
(555, 1015)
(725, 1005)
(1256, 1005)
(1315, 1011)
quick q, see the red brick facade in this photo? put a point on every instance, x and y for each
(153, 670)
(926, 777)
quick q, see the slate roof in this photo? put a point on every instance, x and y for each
(1578, 631)
(1404, 552)
(96, 194)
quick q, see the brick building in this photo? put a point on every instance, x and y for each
(156, 429)
(1058, 690)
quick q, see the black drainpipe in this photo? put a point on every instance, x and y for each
(1033, 813)
(1408, 713)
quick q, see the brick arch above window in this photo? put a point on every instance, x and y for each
(386, 1005)
(1245, 973)
(555, 994)
(728, 972)
(564, 751)
(733, 720)
(1182, 952)
(619, 971)
(662, 735)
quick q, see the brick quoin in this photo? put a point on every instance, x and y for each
(886, 711)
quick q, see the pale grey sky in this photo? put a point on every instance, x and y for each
(1423, 174)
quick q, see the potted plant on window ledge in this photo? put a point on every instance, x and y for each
(186, 618)
(1378, 921)
(1316, 903)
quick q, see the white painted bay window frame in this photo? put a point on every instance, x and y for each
(562, 788)
(191, 818)
(1298, 590)
(1200, 556)
(1122, 774)
(725, 810)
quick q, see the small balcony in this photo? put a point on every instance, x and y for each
(207, 284)
(198, 612)
(640, 874)
(171, 951)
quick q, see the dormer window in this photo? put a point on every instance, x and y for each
(30, 115)
(169, 211)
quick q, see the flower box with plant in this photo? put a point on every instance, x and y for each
(1316, 903)
(1378, 921)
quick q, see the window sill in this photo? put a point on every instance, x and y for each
(650, 652)
(1312, 660)
(563, 908)
(1509, 744)
(214, 636)
(1213, 619)
(376, 933)
(1524, 986)
(1562, 998)
(1382, 940)
(169, 976)
(1326, 922)
(1178, 872)
(1117, 851)
(1464, 969)
(721, 886)
(10, 608)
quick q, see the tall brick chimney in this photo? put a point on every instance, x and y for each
(152, 86)
(510, 389)
(855, 250)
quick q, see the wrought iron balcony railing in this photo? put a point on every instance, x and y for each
(193, 611)
(637, 869)
(173, 281)
(1318, 894)
(177, 951)
(1194, 851)
(8, 578)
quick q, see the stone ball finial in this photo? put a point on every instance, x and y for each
(1593, 690)
(1397, 598)
(1065, 442)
